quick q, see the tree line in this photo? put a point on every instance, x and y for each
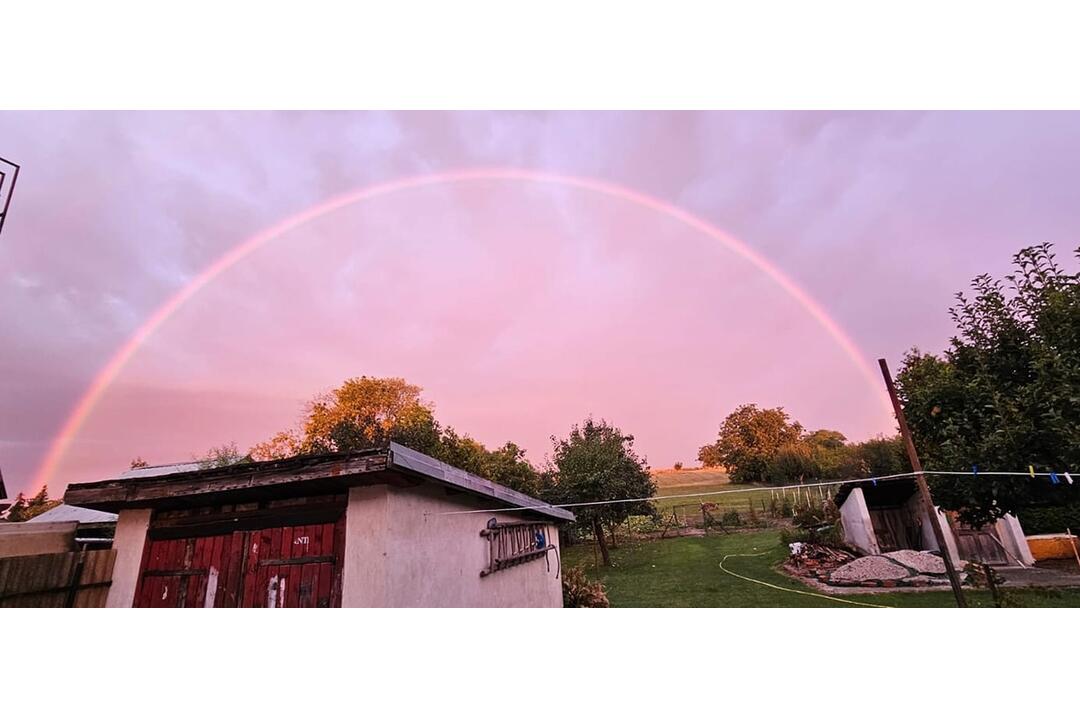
(765, 445)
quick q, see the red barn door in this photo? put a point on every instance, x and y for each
(281, 565)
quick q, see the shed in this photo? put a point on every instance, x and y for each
(880, 518)
(387, 527)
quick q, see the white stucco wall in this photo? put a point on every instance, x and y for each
(855, 518)
(401, 553)
(129, 541)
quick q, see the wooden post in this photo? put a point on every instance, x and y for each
(924, 490)
(1072, 544)
(989, 572)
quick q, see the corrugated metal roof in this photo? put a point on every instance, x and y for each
(159, 470)
(68, 513)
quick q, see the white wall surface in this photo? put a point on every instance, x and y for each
(129, 542)
(401, 552)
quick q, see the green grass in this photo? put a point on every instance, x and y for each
(685, 572)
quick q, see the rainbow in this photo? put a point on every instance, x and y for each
(94, 392)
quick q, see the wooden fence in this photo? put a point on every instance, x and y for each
(70, 579)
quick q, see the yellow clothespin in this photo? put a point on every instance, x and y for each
(1031, 470)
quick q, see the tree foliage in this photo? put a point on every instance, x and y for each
(368, 412)
(748, 439)
(1006, 393)
(597, 461)
(23, 509)
(220, 456)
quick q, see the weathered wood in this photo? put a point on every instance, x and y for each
(72, 579)
(113, 494)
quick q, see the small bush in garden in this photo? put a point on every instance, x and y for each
(827, 535)
(731, 517)
(579, 591)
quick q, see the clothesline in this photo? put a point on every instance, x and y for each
(875, 479)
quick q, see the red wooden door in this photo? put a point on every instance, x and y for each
(293, 566)
(282, 566)
(184, 572)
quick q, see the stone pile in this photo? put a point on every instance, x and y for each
(901, 568)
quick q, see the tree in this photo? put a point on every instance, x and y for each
(369, 412)
(362, 413)
(138, 462)
(1006, 393)
(23, 509)
(597, 462)
(748, 439)
(792, 463)
(221, 456)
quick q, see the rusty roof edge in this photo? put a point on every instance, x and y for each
(242, 468)
(410, 460)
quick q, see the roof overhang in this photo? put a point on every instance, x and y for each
(311, 474)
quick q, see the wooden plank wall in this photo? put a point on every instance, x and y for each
(71, 579)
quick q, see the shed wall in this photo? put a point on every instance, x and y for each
(400, 552)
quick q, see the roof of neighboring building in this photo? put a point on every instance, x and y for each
(67, 513)
(174, 484)
(159, 470)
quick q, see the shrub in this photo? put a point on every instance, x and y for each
(1050, 519)
(678, 466)
(731, 517)
(579, 591)
(827, 535)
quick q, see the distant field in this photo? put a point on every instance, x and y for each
(704, 480)
(696, 476)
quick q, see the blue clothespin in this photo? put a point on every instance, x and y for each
(975, 470)
(1054, 479)
(874, 480)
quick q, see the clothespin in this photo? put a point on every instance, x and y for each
(1031, 470)
(1069, 478)
(975, 470)
(874, 480)
(1054, 479)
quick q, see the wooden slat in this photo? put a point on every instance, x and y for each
(115, 493)
(46, 580)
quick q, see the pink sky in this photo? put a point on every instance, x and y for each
(520, 307)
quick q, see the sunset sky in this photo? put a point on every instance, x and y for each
(564, 264)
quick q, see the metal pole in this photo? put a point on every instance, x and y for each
(924, 490)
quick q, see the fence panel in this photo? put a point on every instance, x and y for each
(71, 579)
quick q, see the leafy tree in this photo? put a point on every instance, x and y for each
(369, 412)
(597, 461)
(23, 509)
(507, 466)
(1006, 393)
(792, 463)
(221, 456)
(748, 439)
(879, 456)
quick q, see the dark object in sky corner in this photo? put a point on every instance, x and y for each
(9, 173)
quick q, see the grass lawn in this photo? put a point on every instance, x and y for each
(685, 572)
